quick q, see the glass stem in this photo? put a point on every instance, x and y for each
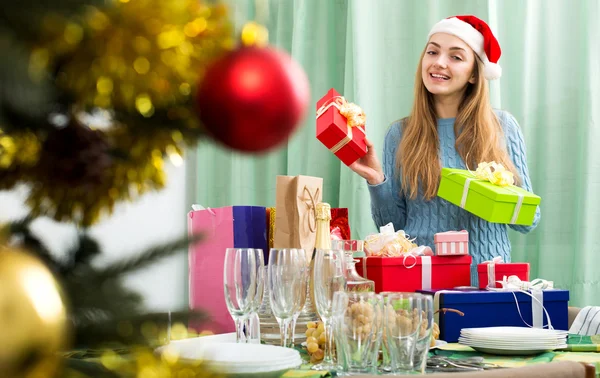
(293, 329)
(239, 326)
(328, 358)
(284, 329)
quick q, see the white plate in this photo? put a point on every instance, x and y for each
(232, 358)
(513, 332)
(511, 346)
(511, 352)
(510, 342)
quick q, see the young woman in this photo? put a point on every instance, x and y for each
(452, 124)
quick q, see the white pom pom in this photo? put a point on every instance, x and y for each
(492, 71)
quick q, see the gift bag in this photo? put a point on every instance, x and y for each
(295, 221)
(225, 227)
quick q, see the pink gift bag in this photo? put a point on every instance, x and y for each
(225, 227)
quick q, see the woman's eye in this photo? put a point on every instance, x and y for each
(457, 58)
(431, 52)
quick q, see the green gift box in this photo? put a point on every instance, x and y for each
(494, 203)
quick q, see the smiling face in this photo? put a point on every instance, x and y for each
(448, 65)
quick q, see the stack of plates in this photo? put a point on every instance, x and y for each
(513, 340)
(235, 359)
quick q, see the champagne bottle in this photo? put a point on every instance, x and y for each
(322, 241)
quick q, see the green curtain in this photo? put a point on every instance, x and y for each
(368, 50)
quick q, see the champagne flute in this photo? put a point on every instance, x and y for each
(242, 276)
(328, 277)
(288, 279)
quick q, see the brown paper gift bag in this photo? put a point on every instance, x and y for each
(295, 222)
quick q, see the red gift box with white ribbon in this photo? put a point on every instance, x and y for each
(490, 272)
(411, 273)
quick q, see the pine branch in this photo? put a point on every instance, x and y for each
(25, 17)
(24, 103)
(82, 254)
(144, 259)
(31, 243)
(77, 368)
(160, 121)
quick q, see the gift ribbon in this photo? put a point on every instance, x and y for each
(312, 206)
(436, 303)
(465, 194)
(491, 271)
(339, 102)
(514, 283)
(425, 272)
(425, 268)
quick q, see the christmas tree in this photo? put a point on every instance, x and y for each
(94, 96)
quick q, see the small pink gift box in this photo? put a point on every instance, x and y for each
(451, 243)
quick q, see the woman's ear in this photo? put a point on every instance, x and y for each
(473, 79)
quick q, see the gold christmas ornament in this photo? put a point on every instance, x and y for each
(33, 317)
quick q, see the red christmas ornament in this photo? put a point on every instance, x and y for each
(253, 98)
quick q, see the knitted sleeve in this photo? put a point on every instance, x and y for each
(516, 150)
(387, 205)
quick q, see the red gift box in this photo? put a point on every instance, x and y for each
(346, 142)
(500, 270)
(409, 273)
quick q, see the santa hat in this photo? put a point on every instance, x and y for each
(478, 35)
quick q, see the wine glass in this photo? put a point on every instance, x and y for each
(328, 277)
(288, 280)
(242, 277)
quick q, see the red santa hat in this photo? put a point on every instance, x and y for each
(478, 35)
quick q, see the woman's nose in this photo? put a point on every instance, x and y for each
(441, 61)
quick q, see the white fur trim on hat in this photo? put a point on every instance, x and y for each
(471, 37)
(491, 71)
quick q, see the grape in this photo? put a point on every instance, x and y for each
(321, 327)
(312, 347)
(322, 338)
(316, 338)
(319, 354)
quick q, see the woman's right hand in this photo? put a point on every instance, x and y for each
(368, 166)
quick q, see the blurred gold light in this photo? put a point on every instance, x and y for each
(143, 104)
(104, 85)
(141, 65)
(254, 34)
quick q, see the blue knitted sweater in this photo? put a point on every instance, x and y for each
(421, 219)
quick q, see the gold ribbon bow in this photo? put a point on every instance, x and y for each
(494, 173)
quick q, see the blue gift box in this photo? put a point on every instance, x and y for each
(495, 308)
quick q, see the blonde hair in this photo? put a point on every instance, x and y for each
(479, 136)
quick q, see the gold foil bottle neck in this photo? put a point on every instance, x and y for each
(323, 211)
